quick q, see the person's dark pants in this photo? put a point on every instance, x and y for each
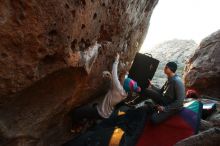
(158, 98)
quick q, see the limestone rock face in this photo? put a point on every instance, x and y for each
(202, 71)
(52, 54)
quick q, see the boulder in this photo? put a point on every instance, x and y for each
(215, 118)
(202, 71)
(205, 125)
(52, 55)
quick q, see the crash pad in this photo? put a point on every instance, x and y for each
(180, 126)
(122, 128)
(143, 69)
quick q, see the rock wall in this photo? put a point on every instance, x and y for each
(202, 71)
(52, 54)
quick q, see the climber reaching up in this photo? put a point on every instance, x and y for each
(115, 95)
(120, 87)
(116, 92)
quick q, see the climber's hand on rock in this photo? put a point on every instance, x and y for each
(117, 57)
(106, 74)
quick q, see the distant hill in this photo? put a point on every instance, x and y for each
(173, 50)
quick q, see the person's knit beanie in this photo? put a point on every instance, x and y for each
(172, 66)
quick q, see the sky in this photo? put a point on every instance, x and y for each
(182, 19)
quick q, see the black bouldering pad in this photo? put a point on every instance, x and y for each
(143, 69)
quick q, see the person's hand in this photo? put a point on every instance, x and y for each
(117, 57)
(150, 84)
(160, 108)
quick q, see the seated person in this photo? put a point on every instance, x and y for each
(170, 97)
